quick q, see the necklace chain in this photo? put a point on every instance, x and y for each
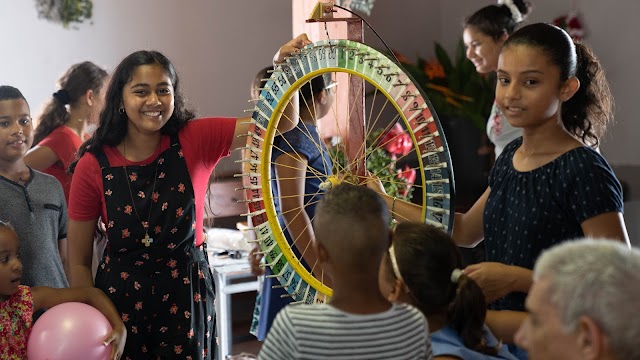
(147, 239)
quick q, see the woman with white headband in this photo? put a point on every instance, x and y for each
(484, 33)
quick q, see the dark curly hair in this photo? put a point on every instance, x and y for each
(587, 114)
(113, 125)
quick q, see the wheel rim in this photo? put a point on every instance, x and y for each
(412, 110)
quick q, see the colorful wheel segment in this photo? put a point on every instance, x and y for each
(397, 111)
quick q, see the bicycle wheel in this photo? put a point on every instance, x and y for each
(396, 108)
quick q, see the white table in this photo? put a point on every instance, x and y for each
(231, 276)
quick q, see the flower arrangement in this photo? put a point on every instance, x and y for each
(571, 24)
(385, 149)
(65, 11)
(454, 87)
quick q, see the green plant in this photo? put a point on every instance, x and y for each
(65, 11)
(454, 87)
(381, 161)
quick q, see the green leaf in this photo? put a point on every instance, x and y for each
(443, 58)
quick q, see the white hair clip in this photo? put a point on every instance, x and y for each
(455, 275)
(396, 269)
(516, 15)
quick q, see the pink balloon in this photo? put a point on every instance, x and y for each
(69, 331)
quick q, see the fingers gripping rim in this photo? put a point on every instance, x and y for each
(413, 108)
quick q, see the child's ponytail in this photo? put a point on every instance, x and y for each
(53, 115)
(467, 314)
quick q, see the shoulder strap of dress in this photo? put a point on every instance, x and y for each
(102, 159)
(174, 140)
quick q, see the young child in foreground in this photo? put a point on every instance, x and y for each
(423, 268)
(18, 302)
(351, 237)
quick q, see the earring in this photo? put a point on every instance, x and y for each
(121, 110)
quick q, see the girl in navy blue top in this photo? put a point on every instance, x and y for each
(550, 185)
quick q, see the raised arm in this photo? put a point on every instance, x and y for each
(290, 176)
(40, 158)
(290, 116)
(468, 228)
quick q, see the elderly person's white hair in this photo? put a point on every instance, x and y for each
(599, 279)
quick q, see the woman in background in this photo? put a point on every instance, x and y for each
(61, 127)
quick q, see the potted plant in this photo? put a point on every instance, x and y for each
(382, 160)
(462, 99)
(454, 87)
(65, 11)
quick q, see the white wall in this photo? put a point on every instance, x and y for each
(218, 45)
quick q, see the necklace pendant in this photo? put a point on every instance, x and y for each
(147, 241)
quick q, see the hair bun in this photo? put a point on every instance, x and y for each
(516, 15)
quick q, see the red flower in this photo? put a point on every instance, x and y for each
(409, 175)
(397, 141)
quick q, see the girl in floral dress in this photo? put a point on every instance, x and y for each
(145, 174)
(18, 302)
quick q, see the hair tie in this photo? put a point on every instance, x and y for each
(455, 275)
(62, 96)
(516, 15)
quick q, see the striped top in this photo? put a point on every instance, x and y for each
(321, 331)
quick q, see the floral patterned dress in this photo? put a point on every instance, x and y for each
(15, 324)
(162, 285)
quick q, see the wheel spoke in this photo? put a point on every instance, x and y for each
(381, 118)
